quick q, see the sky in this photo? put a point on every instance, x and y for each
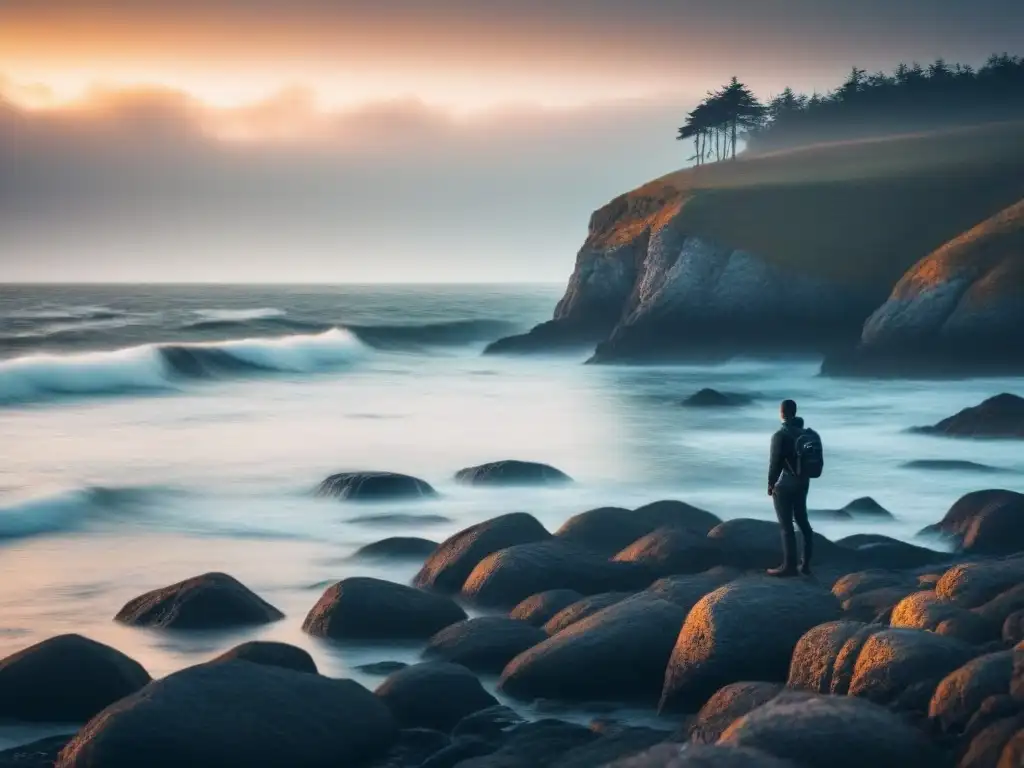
(388, 140)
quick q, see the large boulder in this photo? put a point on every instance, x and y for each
(903, 667)
(611, 746)
(987, 522)
(456, 557)
(860, 582)
(628, 644)
(671, 551)
(883, 552)
(374, 486)
(512, 473)
(971, 585)
(361, 608)
(958, 310)
(926, 610)
(484, 644)
(687, 590)
(271, 653)
(727, 706)
(712, 398)
(433, 694)
(509, 576)
(755, 544)
(537, 744)
(67, 678)
(815, 657)
(539, 609)
(581, 609)
(236, 713)
(210, 601)
(998, 417)
(961, 693)
(397, 548)
(744, 630)
(832, 732)
(611, 529)
(988, 745)
(876, 605)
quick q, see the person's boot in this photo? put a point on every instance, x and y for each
(805, 561)
(784, 571)
(788, 567)
(805, 568)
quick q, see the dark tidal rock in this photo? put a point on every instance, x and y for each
(236, 713)
(960, 694)
(1001, 416)
(833, 732)
(485, 644)
(271, 653)
(951, 465)
(581, 609)
(537, 610)
(702, 756)
(374, 486)
(512, 473)
(985, 523)
(673, 551)
(210, 601)
(433, 694)
(398, 519)
(538, 744)
(66, 679)
(383, 668)
(970, 585)
(727, 706)
(361, 608)
(629, 643)
(611, 529)
(687, 590)
(455, 558)
(712, 398)
(745, 630)
(397, 548)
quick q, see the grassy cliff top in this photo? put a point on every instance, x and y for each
(859, 211)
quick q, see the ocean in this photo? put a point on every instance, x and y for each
(150, 434)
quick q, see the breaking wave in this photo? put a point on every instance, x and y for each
(71, 510)
(154, 367)
(431, 334)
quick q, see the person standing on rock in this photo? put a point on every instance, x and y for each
(796, 459)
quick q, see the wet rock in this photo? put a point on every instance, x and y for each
(210, 601)
(1001, 416)
(236, 713)
(985, 523)
(629, 643)
(926, 610)
(512, 473)
(458, 753)
(702, 756)
(537, 610)
(961, 693)
(375, 486)
(755, 544)
(623, 742)
(484, 644)
(456, 557)
(817, 655)
(611, 529)
(671, 551)
(712, 398)
(540, 744)
(39, 754)
(490, 725)
(986, 748)
(970, 585)
(413, 747)
(893, 660)
(832, 732)
(398, 520)
(272, 653)
(397, 548)
(382, 667)
(509, 576)
(434, 695)
(361, 608)
(581, 609)
(728, 705)
(951, 465)
(66, 679)
(745, 630)
(686, 591)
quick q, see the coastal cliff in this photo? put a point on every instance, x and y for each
(787, 252)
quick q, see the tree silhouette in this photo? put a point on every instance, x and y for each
(721, 118)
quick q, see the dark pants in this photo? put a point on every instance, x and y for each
(790, 500)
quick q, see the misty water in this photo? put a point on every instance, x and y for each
(153, 434)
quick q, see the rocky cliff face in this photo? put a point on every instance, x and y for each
(959, 309)
(788, 252)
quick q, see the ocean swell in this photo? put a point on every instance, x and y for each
(154, 367)
(453, 332)
(71, 510)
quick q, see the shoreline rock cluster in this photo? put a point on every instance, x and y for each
(891, 654)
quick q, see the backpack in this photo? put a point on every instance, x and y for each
(810, 456)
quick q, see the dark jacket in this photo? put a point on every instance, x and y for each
(783, 453)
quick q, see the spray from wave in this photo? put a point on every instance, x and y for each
(72, 510)
(155, 367)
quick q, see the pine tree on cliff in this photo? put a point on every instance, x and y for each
(722, 116)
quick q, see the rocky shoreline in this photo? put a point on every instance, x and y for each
(891, 654)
